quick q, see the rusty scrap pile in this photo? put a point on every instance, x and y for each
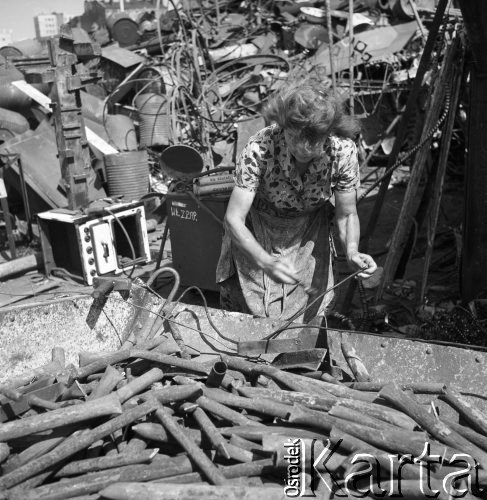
(143, 423)
(197, 74)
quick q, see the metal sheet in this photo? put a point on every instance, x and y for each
(122, 57)
(389, 359)
(376, 43)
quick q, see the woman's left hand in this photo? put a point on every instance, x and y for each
(363, 261)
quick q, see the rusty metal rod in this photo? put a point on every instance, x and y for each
(250, 469)
(108, 405)
(438, 429)
(165, 359)
(395, 441)
(4, 452)
(265, 406)
(289, 397)
(416, 387)
(465, 409)
(110, 378)
(154, 491)
(93, 482)
(76, 443)
(138, 384)
(202, 461)
(354, 362)
(79, 467)
(380, 412)
(208, 428)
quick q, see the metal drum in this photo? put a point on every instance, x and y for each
(155, 123)
(123, 29)
(128, 174)
(121, 132)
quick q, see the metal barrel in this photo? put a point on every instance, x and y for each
(123, 28)
(154, 121)
(121, 132)
(11, 97)
(15, 122)
(128, 174)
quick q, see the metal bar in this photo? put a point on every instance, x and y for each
(330, 45)
(350, 53)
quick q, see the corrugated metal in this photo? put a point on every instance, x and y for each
(128, 174)
(154, 121)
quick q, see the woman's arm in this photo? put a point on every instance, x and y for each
(279, 270)
(349, 232)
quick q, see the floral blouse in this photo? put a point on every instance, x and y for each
(265, 166)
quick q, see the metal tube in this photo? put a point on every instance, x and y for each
(213, 474)
(330, 45)
(350, 52)
(216, 375)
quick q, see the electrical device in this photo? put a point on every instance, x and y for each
(85, 245)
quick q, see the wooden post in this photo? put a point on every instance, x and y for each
(6, 218)
(409, 111)
(432, 215)
(474, 257)
(415, 189)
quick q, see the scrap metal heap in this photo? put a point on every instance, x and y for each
(142, 422)
(185, 83)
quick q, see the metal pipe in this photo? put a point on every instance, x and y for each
(210, 470)
(330, 45)
(350, 53)
(216, 375)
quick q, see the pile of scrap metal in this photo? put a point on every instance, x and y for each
(145, 423)
(197, 74)
(183, 83)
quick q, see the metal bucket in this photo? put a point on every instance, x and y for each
(154, 121)
(121, 132)
(127, 174)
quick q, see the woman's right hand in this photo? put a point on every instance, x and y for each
(281, 270)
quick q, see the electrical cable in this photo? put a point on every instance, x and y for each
(171, 320)
(305, 308)
(205, 305)
(413, 150)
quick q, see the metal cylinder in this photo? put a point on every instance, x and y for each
(154, 120)
(216, 375)
(121, 132)
(128, 174)
(12, 121)
(123, 29)
(11, 97)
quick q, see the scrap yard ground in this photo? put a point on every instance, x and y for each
(122, 375)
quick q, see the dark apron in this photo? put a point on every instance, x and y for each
(303, 239)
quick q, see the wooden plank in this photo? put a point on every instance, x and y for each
(93, 139)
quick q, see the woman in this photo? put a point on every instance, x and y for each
(277, 251)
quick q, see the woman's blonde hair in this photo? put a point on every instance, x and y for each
(310, 110)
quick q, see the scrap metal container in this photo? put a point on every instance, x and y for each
(196, 237)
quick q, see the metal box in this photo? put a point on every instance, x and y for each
(86, 246)
(196, 237)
